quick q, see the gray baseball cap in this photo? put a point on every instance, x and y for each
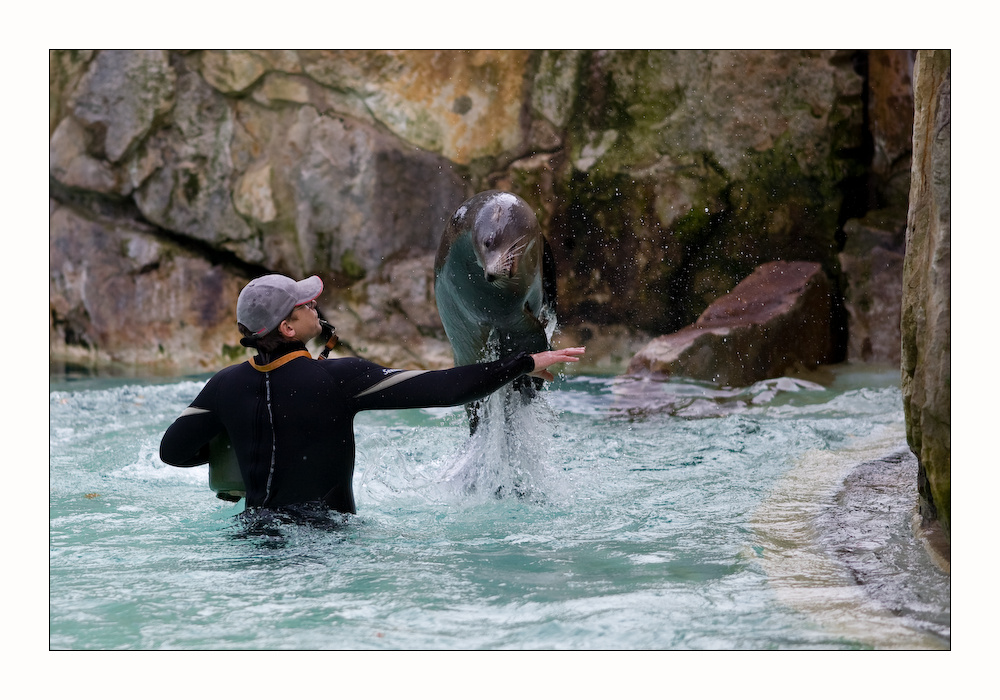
(266, 301)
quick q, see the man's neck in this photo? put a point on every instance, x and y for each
(265, 358)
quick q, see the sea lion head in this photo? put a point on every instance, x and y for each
(505, 235)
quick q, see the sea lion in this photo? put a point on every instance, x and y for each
(494, 279)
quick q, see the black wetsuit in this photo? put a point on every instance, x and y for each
(291, 421)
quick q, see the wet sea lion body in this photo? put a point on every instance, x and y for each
(494, 281)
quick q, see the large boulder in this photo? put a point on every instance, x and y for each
(775, 321)
(926, 309)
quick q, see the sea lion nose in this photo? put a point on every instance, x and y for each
(490, 277)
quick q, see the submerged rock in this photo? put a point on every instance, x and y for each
(773, 321)
(869, 528)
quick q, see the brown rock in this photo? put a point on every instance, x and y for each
(120, 296)
(890, 109)
(393, 316)
(70, 164)
(190, 191)
(334, 196)
(252, 195)
(232, 72)
(120, 96)
(773, 321)
(872, 262)
(65, 70)
(926, 311)
(461, 104)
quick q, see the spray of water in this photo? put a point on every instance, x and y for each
(508, 454)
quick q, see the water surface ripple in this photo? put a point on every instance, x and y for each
(615, 514)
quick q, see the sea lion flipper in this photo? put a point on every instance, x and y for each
(541, 319)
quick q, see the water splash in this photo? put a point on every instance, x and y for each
(508, 453)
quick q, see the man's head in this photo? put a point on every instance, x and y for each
(267, 304)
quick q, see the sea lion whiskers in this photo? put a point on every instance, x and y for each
(503, 265)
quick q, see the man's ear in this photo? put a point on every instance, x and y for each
(286, 329)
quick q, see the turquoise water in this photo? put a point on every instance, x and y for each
(651, 516)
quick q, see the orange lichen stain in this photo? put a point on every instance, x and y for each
(490, 81)
(91, 495)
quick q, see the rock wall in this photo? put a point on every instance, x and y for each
(871, 259)
(926, 303)
(872, 265)
(137, 298)
(662, 179)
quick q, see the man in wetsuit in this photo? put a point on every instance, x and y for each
(290, 417)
